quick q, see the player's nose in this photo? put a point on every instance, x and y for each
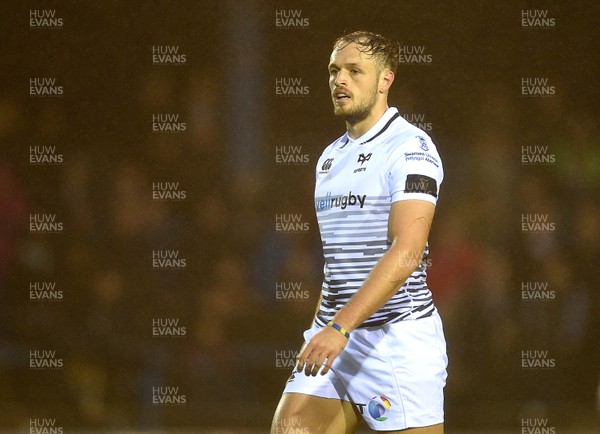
(341, 79)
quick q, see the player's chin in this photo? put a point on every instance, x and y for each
(339, 110)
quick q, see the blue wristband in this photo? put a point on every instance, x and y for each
(339, 328)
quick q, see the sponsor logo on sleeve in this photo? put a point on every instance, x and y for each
(422, 156)
(421, 184)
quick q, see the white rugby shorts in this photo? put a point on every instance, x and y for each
(393, 374)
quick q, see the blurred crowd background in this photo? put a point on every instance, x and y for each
(229, 363)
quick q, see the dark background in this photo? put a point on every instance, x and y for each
(228, 364)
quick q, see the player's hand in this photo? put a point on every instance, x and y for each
(321, 351)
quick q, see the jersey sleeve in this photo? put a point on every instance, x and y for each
(415, 170)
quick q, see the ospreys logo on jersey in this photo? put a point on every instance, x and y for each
(421, 184)
(362, 159)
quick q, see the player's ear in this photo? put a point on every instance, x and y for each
(386, 80)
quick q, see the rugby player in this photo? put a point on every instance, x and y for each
(376, 349)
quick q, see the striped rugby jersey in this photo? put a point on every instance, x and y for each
(356, 183)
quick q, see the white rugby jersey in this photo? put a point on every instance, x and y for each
(357, 181)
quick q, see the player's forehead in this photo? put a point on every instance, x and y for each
(351, 53)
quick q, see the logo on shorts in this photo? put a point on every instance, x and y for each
(377, 407)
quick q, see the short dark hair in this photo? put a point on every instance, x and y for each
(385, 51)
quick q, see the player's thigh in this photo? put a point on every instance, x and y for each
(433, 429)
(298, 412)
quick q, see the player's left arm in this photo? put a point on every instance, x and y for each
(408, 229)
(409, 224)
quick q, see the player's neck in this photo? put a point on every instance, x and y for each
(355, 130)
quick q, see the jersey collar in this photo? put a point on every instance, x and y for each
(390, 115)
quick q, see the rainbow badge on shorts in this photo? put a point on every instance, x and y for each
(377, 407)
